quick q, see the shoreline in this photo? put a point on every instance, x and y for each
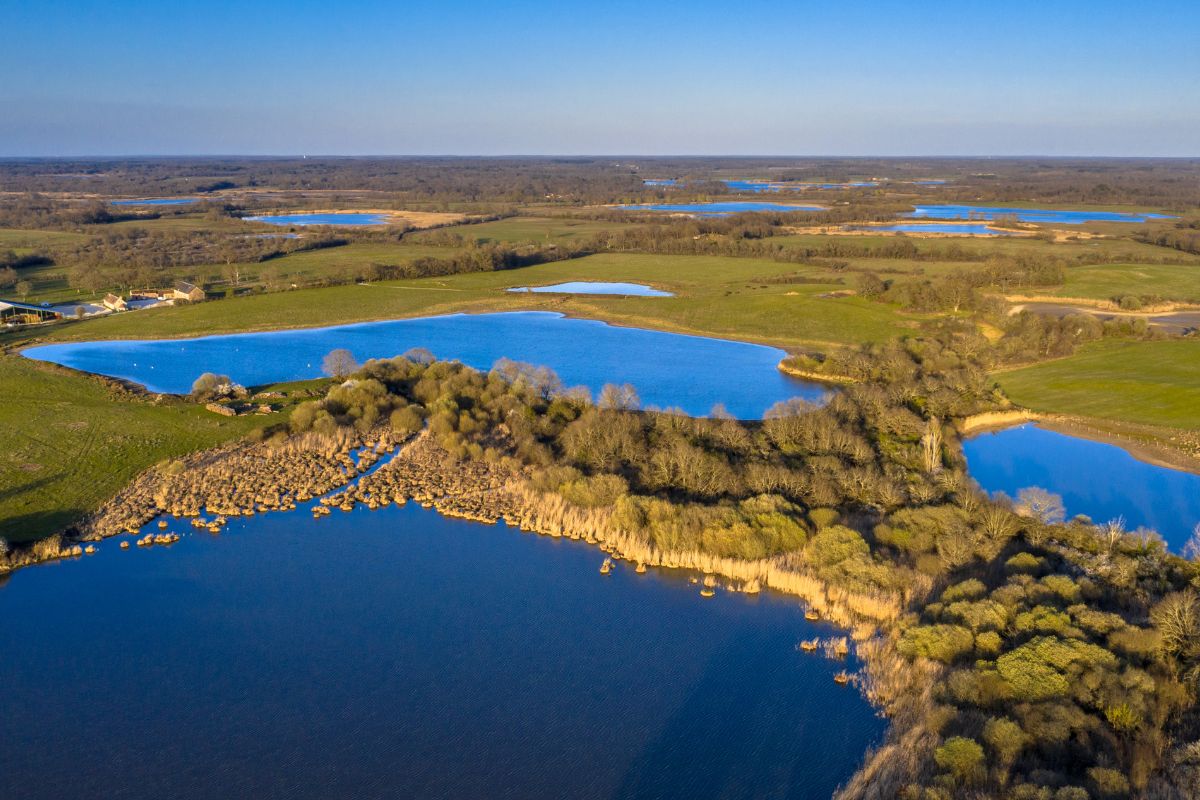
(1149, 451)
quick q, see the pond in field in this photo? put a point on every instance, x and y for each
(723, 209)
(669, 370)
(597, 287)
(779, 186)
(156, 201)
(1098, 480)
(660, 182)
(1028, 214)
(332, 218)
(398, 653)
(966, 229)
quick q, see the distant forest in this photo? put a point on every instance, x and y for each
(1159, 182)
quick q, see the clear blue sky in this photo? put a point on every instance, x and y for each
(1054, 77)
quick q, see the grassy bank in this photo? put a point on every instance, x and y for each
(70, 442)
(1142, 382)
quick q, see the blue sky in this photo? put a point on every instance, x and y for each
(747, 77)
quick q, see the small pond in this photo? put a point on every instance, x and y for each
(156, 201)
(1043, 215)
(723, 209)
(1099, 480)
(669, 370)
(966, 229)
(596, 287)
(332, 218)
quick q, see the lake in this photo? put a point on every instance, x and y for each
(1028, 214)
(659, 182)
(597, 287)
(777, 186)
(338, 218)
(1096, 479)
(722, 209)
(156, 201)
(397, 653)
(933, 227)
(692, 373)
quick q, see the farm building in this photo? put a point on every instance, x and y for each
(12, 311)
(187, 291)
(113, 302)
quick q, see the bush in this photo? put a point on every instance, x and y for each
(823, 517)
(836, 544)
(1108, 783)
(945, 643)
(961, 757)
(1005, 738)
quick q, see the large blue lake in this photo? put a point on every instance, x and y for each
(346, 219)
(596, 287)
(1028, 214)
(722, 209)
(1095, 479)
(400, 654)
(669, 370)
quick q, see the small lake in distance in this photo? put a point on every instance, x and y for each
(346, 219)
(156, 201)
(669, 370)
(400, 654)
(1096, 479)
(933, 227)
(1044, 215)
(722, 209)
(596, 287)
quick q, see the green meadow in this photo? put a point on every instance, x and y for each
(1157, 383)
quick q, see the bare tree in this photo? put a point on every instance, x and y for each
(339, 363)
(931, 446)
(1192, 548)
(1042, 505)
(619, 398)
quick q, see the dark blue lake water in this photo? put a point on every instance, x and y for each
(1029, 214)
(669, 370)
(596, 287)
(1099, 480)
(344, 219)
(399, 654)
(933, 227)
(156, 201)
(722, 209)
(660, 182)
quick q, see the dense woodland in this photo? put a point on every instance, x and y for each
(1168, 182)
(1066, 653)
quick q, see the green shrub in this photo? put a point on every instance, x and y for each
(823, 517)
(1023, 563)
(970, 589)
(1108, 783)
(1044, 667)
(945, 643)
(1005, 738)
(961, 757)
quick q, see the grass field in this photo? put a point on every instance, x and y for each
(715, 295)
(70, 443)
(1157, 383)
(1107, 250)
(1107, 281)
(540, 230)
(50, 282)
